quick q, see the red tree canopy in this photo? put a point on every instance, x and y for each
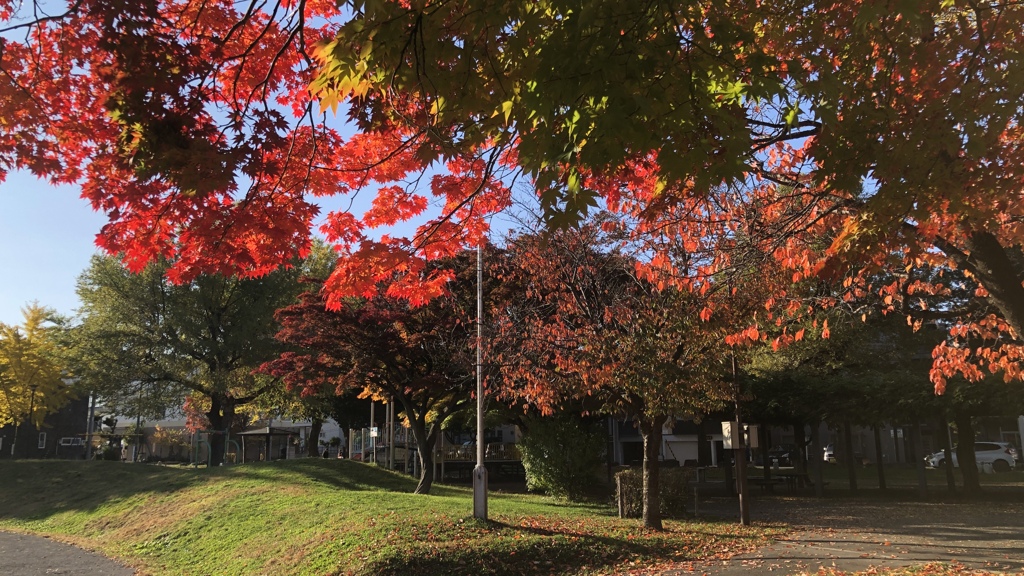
(417, 356)
(855, 132)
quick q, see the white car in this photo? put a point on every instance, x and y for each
(1001, 455)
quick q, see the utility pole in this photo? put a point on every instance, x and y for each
(373, 439)
(480, 471)
(391, 434)
(138, 428)
(89, 426)
(741, 452)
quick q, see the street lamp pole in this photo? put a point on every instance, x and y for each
(90, 426)
(480, 471)
(741, 452)
(138, 427)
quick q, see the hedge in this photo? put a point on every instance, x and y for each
(674, 483)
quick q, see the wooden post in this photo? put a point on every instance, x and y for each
(878, 456)
(618, 496)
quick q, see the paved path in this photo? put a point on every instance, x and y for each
(24, 555)
(854, 535)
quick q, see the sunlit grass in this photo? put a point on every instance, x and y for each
(333, 517)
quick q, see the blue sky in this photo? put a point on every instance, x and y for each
(46, 240)
(47, 236)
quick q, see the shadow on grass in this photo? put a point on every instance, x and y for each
(352, 475)
(508, 549)
(33, 490)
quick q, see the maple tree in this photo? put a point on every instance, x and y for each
(893, 131)
(417, 356)
(32, 376)
(575, 323)
(190, 125)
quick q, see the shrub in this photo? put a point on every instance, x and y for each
(673, 485)
(177, 442)
(562, 454)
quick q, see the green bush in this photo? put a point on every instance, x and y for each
(562, 455)
(110, 453)
(673, 485)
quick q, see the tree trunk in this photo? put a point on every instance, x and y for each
(819, 476)
(650, 430)
(14, 442)
(766, 463)
(851, 462)
(313, 441)
(221, 417)
(965, 454)
(800, 439)
(878, 456)
(425, 448)
(943, 431)
(609, 452)
(896, 444)
(703, 444)
(214, 435)
(986, 258)
(918, 447)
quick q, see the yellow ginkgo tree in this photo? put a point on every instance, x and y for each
(32, 382)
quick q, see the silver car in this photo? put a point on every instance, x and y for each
(1000, 455)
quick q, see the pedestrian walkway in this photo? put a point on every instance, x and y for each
(855, 535)
(806, 551)
(25, 555)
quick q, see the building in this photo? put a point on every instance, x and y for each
(691, 443)
(62, 435)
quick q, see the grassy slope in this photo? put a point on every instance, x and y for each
(331, 517)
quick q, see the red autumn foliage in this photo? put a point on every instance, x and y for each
(840, 139)
(417, 356)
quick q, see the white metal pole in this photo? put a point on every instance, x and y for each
(89, 427)
(391, 435)
(1020, 437)
(480, 471)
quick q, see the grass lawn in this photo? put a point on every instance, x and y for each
(315, 516)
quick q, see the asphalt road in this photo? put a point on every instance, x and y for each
(858, 534)
(24, 555)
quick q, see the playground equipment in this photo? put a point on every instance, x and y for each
(199, 441)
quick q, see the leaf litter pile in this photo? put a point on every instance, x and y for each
(546, 545)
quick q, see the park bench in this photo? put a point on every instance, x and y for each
(766, 484)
